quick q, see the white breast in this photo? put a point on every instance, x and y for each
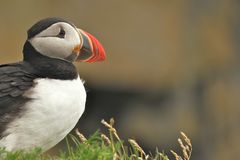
(55, 109)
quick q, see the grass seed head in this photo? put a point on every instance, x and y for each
(106, 139)
(112, 121)
(177, 157)
(186, 139)
(82, 138)
(186, 146)
(137, 146)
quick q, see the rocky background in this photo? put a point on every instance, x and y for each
(171, 66)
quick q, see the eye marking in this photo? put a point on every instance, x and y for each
(61, 34)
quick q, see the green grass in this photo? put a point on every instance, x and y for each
(101, 147)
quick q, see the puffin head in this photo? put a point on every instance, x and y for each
(58, 38)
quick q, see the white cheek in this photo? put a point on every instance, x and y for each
(52, 46)
(48, 44)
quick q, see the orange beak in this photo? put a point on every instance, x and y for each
(91, 49)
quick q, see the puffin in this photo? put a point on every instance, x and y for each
(42, 97)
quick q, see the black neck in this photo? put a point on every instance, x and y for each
(47, 67)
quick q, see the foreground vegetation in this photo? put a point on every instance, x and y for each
(102, 147)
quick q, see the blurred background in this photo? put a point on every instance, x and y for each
(171, 66)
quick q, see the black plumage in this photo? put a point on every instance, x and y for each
(44, 89)
(43, 24)
(17, 81)
(17, 78)
(47, 67)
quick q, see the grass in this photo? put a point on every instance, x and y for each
(102, 147)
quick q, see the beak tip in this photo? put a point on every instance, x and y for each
(98, 52)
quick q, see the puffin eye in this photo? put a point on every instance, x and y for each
(61, 34)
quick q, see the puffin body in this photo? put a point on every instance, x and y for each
(43, 97)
